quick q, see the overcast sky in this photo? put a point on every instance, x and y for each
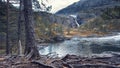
(60, 4)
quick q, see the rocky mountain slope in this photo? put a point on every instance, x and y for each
(58, 19)
(95, 15)
(86, 5)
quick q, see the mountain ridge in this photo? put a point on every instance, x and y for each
(88, 4)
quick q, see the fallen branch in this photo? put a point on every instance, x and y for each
(41, 65)
(93, 66)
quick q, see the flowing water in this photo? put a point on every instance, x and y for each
(82, 46)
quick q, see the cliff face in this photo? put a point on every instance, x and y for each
(66, 21)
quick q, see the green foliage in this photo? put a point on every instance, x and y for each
(2, 17)
(111, 13)
(45, 28)
(13, 19)
(108, 21)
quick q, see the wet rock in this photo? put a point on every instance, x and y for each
(58, 38)
(67, 38)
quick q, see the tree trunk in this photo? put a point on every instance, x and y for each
(20, 21)
(8, 49)
(30, 47)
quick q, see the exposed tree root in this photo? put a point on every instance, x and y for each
(41, 65)
(71, 61)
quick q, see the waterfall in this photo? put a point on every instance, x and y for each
(78, 25)
(74, 17)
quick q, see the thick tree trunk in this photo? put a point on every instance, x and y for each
(30, 48)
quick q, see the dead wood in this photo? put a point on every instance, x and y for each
(93, 66)
(41, 65)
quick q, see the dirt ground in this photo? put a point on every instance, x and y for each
(69, 61)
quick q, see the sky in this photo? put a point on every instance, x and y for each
(57, 4)
(60, 4)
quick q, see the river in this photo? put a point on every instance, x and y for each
(82, 46)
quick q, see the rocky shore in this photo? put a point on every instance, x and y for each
(55, 39)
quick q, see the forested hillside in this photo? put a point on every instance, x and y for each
(108, 21)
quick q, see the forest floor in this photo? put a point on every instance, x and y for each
(69, 61)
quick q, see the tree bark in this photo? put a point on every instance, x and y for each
(30, 47)
(20, 21)
(8, 49)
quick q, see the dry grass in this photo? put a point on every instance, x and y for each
(83, 33)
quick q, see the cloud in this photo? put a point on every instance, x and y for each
(60, 4)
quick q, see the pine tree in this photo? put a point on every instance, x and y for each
(30, 47)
